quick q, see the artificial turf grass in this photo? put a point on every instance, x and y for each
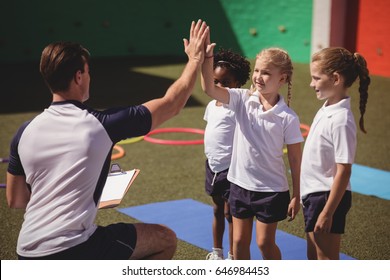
(176, 172)
(171, 178)
(173, 168)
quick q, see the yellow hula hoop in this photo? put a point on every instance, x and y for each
(131, 140)
(120, 152)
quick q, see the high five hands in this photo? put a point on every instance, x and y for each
(198, 46)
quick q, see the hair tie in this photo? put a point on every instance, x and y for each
(356, 57)
(348, 58)
(226, 62)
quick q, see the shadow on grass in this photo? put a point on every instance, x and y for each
(112, 84)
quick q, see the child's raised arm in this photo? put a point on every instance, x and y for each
(207, 75)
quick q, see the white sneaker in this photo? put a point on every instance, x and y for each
(230, 256)
(216, 254)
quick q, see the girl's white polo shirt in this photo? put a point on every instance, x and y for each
(331, 140)
(218, 136)
(257, 160)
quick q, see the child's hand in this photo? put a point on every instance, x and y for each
(209, 46)
(324, 223)
(293, 208)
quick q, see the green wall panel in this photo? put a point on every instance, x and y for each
(266, 23)
(151, 27)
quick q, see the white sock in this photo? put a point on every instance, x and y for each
(218, 251)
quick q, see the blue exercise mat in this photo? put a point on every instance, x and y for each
(191, 220)
(370, 181)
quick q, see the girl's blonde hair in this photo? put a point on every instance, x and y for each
(350, 66)
(279, 58)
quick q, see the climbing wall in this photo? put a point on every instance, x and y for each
(152, 27)
(373, 35)
(265, 23)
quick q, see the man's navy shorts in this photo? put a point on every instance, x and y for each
(314, 203)
(267, 207)
(112, 242)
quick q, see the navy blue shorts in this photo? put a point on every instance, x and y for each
(112, 242)
(267, 207)
(217, 184)
(315, 202)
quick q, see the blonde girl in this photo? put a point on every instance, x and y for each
(264, 123)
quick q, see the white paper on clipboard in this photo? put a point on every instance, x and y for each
(116, 185)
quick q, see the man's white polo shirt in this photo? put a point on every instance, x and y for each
(331, 140)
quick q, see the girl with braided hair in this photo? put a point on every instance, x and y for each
(330, 147)
(231, 70)
(264, 124)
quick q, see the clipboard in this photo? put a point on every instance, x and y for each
(117, 184)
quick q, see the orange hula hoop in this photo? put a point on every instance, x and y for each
(305, 132)
(305, 128)
(120, 152)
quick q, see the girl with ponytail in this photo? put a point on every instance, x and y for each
(330, 147)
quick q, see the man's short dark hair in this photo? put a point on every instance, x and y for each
(59, 63)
